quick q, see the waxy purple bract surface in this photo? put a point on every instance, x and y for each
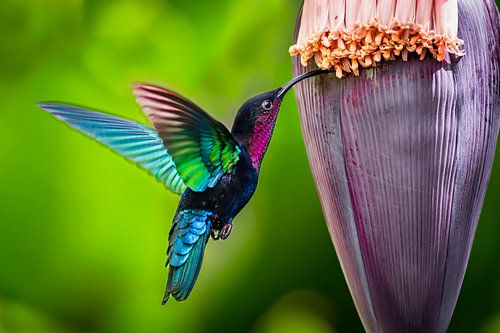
(401, 157)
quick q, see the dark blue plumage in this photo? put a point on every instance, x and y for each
(190, 153)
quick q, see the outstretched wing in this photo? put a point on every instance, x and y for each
(201, 147)
(137, 142)
(186, 245)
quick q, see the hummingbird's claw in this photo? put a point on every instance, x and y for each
(214, 235)
(225, 231)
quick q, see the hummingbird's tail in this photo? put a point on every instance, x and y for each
(188, 237)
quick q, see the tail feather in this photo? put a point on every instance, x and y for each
(187, 241)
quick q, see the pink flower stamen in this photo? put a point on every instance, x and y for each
(343, 34)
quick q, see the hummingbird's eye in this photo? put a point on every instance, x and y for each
(267, 105)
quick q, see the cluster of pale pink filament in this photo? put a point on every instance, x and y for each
(348, 34)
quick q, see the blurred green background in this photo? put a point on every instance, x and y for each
(83, 233)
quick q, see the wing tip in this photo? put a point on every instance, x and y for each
(138, 87)
(57, 106)
(48, 106)
(141, 89)
(57, 109)
(65, 111)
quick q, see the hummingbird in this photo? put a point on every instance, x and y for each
(213, 169)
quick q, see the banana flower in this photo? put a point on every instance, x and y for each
(400, 140)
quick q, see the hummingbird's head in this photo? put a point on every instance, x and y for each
(263, 108)
(256, 111)
(254, 122)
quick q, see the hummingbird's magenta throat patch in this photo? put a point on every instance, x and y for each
(261, 136)
(350, 34)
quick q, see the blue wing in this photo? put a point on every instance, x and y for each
(188, 237)
(139, 143)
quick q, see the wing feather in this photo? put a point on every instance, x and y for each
(138, 143)
(202, 148)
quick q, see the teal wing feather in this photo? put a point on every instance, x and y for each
(139, 143)
(188, 237)
(202, 148)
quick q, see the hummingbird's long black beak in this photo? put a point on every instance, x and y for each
(299, 78)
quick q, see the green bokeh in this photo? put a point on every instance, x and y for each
(83, 233)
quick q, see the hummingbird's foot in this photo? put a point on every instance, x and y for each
(215, 227)
(225, 231)
(214, 235)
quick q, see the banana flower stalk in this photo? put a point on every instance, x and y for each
(400, 140)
